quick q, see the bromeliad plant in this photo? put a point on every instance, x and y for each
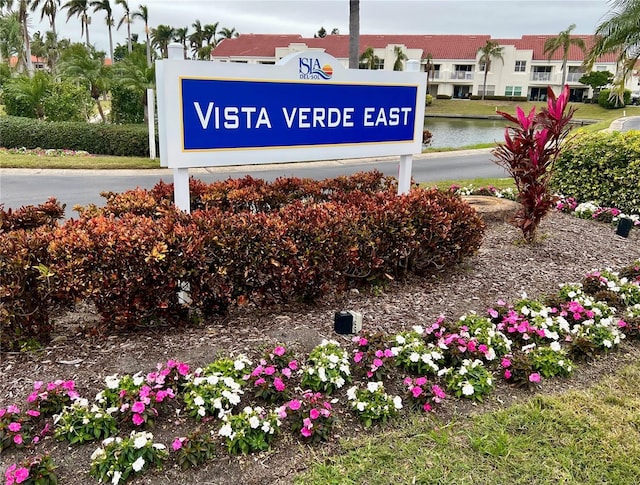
(251, 430)
(311, 417)
(37, 470)
(529, 154)
(373, 403)
(327, 368)
(118, 459)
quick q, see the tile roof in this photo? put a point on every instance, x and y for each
(453, 47)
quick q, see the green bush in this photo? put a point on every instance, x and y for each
(67, 101)
(127, 105)
(96, 138)
(493, 97)
(605, 101)
(443, 96)
(603, 168)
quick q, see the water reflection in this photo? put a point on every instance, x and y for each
(457, 132)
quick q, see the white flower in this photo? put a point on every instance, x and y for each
(374, 386)
(226, 430)
(112, 381)
(463, 370)
(397, 402)
(97, 454)
(340, 382)
(361, 406)
(555, 346)
(117, 475)
(238, 364)
(138, 380)
(322, 374)
(400, 339)
(491, 354)
(266, 427)
(159, 446)
(418, 329)
(202, 411)
(138, 464)
(351, 393)
(414, 357)
(254, 422)
(107, 441)
(333, 358)
(607, 343)
(198, 401)
(139, 442)
(468, 389)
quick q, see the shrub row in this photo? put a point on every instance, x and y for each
(130, 266)
(493, 97)
(31, 216)
(603, 168)
(97, 138)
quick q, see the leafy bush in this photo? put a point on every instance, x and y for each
(603, 168)
(67, 101)
(31, 216)
(127, 106)
(97, 138)
(606, 100)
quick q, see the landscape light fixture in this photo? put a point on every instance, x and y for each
(624, 226)
(347, 322)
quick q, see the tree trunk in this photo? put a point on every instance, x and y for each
(484, 86)
(110, 44)
(129, 46)
(23, 16)
(104, 119)
(354, 33)
(148, 50)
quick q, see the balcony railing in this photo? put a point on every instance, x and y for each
(466, 75)
(434, 75)
(574, 77)
(541, 76)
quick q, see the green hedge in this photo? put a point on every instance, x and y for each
(493, 97)
(601, 167)
(96, 138)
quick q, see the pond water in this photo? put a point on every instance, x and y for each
(460, 132)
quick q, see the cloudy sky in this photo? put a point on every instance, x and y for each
(511, 18)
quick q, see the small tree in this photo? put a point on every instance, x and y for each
(529, 155)
(597, 80)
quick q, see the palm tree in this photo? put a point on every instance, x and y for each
(50, 9)
(354, 33)
(619, 34)
(429, 68)
(11, 39)
(400, 57)
(180, 35)
(80, 8)
(369, 59)
(126, 18)
(134, 74)
(106, 6)
(209, 33)
(161, 37)
(143, 13)
(23, 18)
(81, 65)
(30, 91)
(227, 33)
(487, 52)
(563, 41)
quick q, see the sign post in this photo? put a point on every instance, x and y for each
(307, 107)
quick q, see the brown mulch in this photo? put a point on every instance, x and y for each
(503, 268)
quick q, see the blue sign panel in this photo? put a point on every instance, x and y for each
(225, 114)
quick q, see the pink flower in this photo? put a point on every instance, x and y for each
(137, 419)
(260, 381)
(314, 413)
(379, 354)
(293, 365)
(416, 391)
(138, 407)
(160, 395)
(183, 369)
(17, 439)
(294, 404)
(307, 423)
(535, 377)
(388, 353)
(427, 407)
(37, 385)
(471, 346)
(438, 392)
(286, 372)
(33, 396)
(21, 474)
(278, 384)
(493, 313)
(421, 381)
(505, 363)
(257, 371)
(15, 427)
(33, 413)
(177, 443)
(483, 348)
(407, 381)
(279, 351)
(35, 440)
(358, 357)
(270, 370)
(282, 412)
(363, 341)
(13, 409)
(306, 432)
(377, 362)
(507, 374)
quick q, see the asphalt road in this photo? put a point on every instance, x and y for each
(20, 187)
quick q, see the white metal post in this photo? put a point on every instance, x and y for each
(404, 174)
(151, 113)
(181, 189)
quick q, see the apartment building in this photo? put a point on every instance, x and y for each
(456, 68)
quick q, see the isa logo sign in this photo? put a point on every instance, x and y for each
(311, 68)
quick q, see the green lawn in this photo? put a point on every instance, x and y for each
(578, 437)
(11, 160)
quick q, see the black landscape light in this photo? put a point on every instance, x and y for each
(347, 322)
(624, 226)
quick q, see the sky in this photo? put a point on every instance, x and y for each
(500, 19)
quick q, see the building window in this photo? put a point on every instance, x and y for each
(513, 91)
(521, 66)
(491, 90)
(482, 66)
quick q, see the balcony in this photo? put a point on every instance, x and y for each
(574, 77)
(462, 75)
(541, 76)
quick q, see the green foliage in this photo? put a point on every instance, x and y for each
(24, 96)
(596, 79)
(79, 423)
(195, 449)
(127, 106)
(603, 168)
(96, 138)
(67, 101)
(608, 100)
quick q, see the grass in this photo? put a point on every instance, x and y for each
(10, 160)
(579, 437)
(501, 183)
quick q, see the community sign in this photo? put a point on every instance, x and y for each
(306, 107)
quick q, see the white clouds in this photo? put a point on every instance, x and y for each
(511, 18)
